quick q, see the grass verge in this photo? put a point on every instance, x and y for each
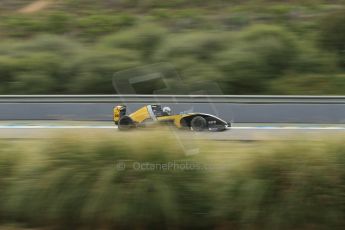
(144, 181)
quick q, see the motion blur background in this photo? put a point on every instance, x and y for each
(69, 178)
(247, 47)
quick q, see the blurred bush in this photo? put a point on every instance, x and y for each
(144, 39)
(200, 46)
(262, 53)
(244, 47)
(95, 25)
(280, 190)
(78, 185)
(74, 181)
(295, 84)
(332, 34)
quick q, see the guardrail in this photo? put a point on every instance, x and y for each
(250, 99)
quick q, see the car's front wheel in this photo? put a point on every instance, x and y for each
(125, 123)
(198, 124)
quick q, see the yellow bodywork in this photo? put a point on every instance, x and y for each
(143, 114)
(119, 111)
(175, 118)
(116, 113)
(140, 115)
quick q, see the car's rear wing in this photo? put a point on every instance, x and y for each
(119, 111)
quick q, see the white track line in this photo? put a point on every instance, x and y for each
(114, 127)
(288, 128)
(55, 127)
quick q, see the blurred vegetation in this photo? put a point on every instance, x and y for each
(73, 182)
(246, 47)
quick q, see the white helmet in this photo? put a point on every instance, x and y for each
(167, 110)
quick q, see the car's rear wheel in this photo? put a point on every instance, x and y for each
(198, 124)
(125, 123)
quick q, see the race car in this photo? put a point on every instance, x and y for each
(154, 114)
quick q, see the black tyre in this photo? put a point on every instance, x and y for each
(198, 124)
(125, 123)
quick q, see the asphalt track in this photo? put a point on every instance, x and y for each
(239, 131)
(236, 112)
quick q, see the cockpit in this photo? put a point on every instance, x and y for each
(159, 112)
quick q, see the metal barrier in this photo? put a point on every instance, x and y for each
(267, 99)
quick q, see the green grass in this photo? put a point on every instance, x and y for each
(75, 181)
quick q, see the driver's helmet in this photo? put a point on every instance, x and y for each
(167, 110)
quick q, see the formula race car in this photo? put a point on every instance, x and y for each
(154, 114)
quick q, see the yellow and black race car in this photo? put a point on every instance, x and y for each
(153, 114)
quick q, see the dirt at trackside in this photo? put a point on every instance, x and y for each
(36, 6)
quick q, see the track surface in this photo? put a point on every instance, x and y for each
(46, 129)
(236, 112)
